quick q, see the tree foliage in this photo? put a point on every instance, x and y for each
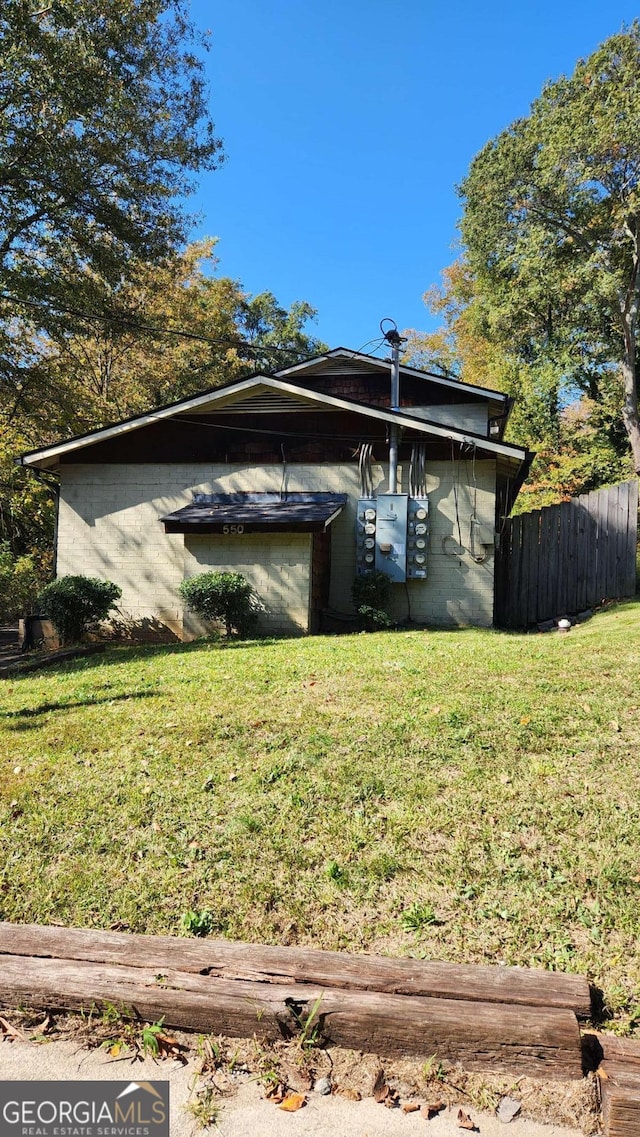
(580, 442)
(103, 124)
(104, 312)
(183, 329)
(551, 229)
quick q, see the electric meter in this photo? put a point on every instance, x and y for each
(418, 531)
(366, 518)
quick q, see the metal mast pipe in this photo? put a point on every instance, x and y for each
(393, 429)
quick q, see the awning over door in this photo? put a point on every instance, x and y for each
(256, 513)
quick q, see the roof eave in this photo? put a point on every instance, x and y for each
(48, 456)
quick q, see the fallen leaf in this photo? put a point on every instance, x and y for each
(411, 1107)
(17, 769)
(11, 1031)
(435, 710)
(293, 1102)
(349, 1094)
(525, 720)
(380, 1088)
(602, 1074)
(169, 1046)
(432, 1109)
(42, 1027)
(615, 725)
(463, 1121)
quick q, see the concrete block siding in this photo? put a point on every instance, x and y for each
(277, 565)
(109, 527)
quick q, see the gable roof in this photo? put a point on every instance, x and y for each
(225, 396)
(384, 365)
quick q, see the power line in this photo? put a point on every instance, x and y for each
(135, 325)
(273, 432)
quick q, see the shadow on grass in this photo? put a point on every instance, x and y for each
(132, 653)
(117, 653)
(45, 708)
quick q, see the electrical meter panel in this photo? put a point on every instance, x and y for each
(392, 533)
(417, 537)
(366, 534)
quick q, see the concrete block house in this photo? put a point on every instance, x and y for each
(284, 477)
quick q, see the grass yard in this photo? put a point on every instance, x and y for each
(467, 795)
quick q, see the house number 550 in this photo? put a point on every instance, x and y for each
(233, 528)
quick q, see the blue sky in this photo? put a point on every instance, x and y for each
(346, 128)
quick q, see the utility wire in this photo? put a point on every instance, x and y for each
(275, 432)
(136, 325)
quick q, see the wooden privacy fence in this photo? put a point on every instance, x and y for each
(565, 558)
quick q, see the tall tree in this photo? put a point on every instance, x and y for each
(551, 227)
(180, 329)
(103, 124)
(580, 441)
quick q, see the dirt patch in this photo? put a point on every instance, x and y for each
(224, 1063)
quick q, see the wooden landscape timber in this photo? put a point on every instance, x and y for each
(226, 959)
(481, 1036)
(384, 1006)
(619, 1080)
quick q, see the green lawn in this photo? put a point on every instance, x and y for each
(467, 795)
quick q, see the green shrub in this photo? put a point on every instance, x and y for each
(19, 584)
(371, 593)
(77, 603)
(222, 596)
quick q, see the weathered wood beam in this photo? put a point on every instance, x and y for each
(543, 1042)
(230, 960)
(620, 1107)
(619, 1079)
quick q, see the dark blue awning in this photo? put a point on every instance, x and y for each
(256, 513)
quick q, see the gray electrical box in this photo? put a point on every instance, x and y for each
(391, 535)
(417, 537)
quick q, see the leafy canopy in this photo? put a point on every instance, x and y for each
(551, 228)
(103, 125)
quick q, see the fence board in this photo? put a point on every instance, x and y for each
(561, 559)
(513, 564)
(567, 554)
(598, 510)
(586, 557)
(628, 570)
(530, 558)
(549, 563)
(616, 509)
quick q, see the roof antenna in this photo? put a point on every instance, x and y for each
(395, 340)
